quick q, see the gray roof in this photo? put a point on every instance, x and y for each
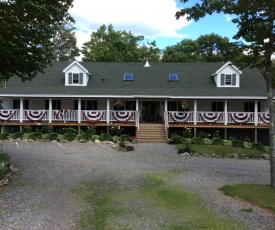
(195, 81)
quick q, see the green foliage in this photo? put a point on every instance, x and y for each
(177, 138)
(47, 129)
(108, 45)
(4, 159)
(70, 134)
(207, 141)
(16, 135)
(187, 133)
(51, 136)
(260, 195)
(217, 141)
(34, 135)
(114, 130)
(197, 140)
(27, 129)
(105, 137)
(202, 135)
(115, 139)
(258, 146)
(237, 143)
(95, 137)
(124, 137)
(227, 142)
(28, 39)
(91, 130)
(247, 145)
(4, 136)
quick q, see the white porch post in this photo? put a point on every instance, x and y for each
(225, 113)
(165, 105)
(195, 111)
(137, 107)
(21, 116)
(108, 111)
(79, 111)
(50, 109)
(256, 112)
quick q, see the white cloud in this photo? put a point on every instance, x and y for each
(150, 18)
(229, 17)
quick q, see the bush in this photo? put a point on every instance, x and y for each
(217, 141)
(70, 134)
(197, 141)
(4, 136)
(247, 145)
(177, 138)
(202, 135)
(105, 137)
(16, 135)
(91, 130)
(51, 136)
(47, 129)
(115, 139)
(34, 135)
(27, 129)
(237, 143)
(114, 130)
(227, 143)
(84, 136)
(124, 137)
(187, 133)
(4, 159)
(94, 137)
(207, 141)
(258, 146)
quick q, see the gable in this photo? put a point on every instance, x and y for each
(76, 75)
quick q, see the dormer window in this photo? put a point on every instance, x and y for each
(228, 79)
(128, 77)
(173, 77)
(75, 79)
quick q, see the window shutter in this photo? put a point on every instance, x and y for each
(81, 78)
(222, 79)
(234, 79)
(70, 78)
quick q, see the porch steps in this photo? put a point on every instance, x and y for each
(150, 132)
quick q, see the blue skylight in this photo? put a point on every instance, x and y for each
(128, 77)
(173, 77)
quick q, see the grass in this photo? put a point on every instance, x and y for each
(261, 195)
(153, 204)
(221, 150)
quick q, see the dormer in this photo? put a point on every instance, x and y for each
(227, 76)
(76, 75)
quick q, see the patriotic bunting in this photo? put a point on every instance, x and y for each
(210, 117)
(122, 116)
(180, 117)
(35, 115)
(59, 114)
(240, 118)
(93, 116)
(264, 117)
(6, 115)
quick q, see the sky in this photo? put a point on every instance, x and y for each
(154, 19)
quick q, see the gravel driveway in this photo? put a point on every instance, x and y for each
(40, 195)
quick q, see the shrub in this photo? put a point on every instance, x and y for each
(197, 141)
(94, 137)
(27, 129)
(105, 137)
(202, 135)
(114, 130)
(177, 138)
(227, 143)
(187, 133)
(16, 135)
(247, 145)
(51, 136)
(70, 134)
(124, 137)
(47, 129)
(115, 139)
(4, 159)
(91, 130)
(4, 136)
(237, 143)
(258, 146)
(207, 141)
(217, 135)
(217, 141)
(34, 135)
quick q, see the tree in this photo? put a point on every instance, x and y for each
(255, 20)
(64, 41)
(27, 28)
(108, 45)
(207, 48)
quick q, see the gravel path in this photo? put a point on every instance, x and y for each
(40, 196)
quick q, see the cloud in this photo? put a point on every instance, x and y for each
(150, 18)
(229, 17)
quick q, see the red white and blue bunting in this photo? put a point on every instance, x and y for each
(93, 116)
(210, 117)
(6, 115)
(59, 114)
(180, 117)
(35, 115)
(264, 117)
(122, 116)
(240, 118)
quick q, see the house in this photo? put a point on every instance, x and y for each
(156, 99)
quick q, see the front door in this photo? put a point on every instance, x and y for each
(150, 111)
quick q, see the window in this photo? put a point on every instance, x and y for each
(173, 77)
(56, 104)
(16, 104)
(128, 77)
(250, 107)
(172, 106)
(130, 105)
(75, 79)
(86, 105)
(228, 79)
(217, 106)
